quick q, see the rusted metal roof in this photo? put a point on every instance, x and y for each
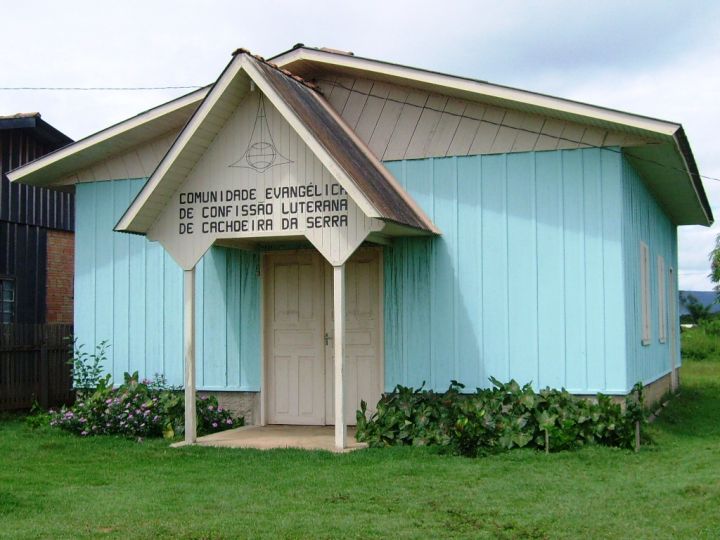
(366, 171)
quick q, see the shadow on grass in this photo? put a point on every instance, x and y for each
(696, 411)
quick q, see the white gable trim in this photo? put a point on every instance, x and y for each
(185, 135)
(318, 149)
(410, 76)
(240, 62)
(106, 135)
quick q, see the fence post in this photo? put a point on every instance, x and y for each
(44, 375)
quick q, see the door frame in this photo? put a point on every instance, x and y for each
(264, 327)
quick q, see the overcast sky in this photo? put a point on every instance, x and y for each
(660, 59)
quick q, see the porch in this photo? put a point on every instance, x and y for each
(280, 436)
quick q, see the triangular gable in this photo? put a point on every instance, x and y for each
(667, 165)
(60, 167)
(168, 202)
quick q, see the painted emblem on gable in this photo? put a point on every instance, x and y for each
(261, 153)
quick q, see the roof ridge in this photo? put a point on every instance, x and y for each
(287, 73)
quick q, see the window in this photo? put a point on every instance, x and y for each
(7, 300)
(662, 300)
(645, 291)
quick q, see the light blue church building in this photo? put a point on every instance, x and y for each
(474, 230)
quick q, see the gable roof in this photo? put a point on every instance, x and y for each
(308, 60)
(362, 175)
(148, 125)
(668, 167)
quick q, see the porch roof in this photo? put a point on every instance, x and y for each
(348, 159)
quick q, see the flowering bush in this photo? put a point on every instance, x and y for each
(212, 418)
(148, 408)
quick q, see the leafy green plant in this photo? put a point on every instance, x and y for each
(701, 342)
(711, 327)
(87, 368)
(37, 417)
(136, 408)
(500, 418)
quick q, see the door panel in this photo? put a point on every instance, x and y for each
(363, 365)
(294, 339)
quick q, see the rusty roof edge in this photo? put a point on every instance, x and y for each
(389, 178)
(287, 73)
(392, 181)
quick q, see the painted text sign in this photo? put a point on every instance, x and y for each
(282, 209)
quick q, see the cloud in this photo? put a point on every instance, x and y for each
(655, 58)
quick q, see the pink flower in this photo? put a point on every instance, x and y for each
(214, 424)
(228, 421)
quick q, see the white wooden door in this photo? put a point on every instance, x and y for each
(363, 347)
(294, 318)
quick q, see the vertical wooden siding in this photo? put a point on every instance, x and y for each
(23, 254)
(645, 221)
(129, 292)
(526, 280)
(34, 365)
(20, 203)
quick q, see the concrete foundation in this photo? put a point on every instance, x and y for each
(657, 389)
(653, 391)
(245, 404)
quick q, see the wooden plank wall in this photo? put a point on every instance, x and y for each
(34, 365)
(398, 122)
(128, 291)
(404, 123)
(29, 205)
(23, 256)
(644, 221)
(526, 281)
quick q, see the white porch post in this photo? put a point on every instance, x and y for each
(189, 353)
(339, 343)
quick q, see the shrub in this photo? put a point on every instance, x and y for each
(148, 408)
(139, 409)
(500, 418)
(711, 327)
(87, 368)
(701, 342)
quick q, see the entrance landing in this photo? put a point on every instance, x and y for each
(268, 437)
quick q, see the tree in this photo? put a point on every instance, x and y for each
(697, 311)
(715, 266)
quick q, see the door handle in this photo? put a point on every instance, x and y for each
(328, 337)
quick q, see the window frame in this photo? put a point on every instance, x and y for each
(12, 302)
(662, 300)
(645, 298)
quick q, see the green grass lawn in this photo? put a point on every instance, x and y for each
(54, 485)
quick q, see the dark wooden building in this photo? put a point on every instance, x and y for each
(36, 229)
